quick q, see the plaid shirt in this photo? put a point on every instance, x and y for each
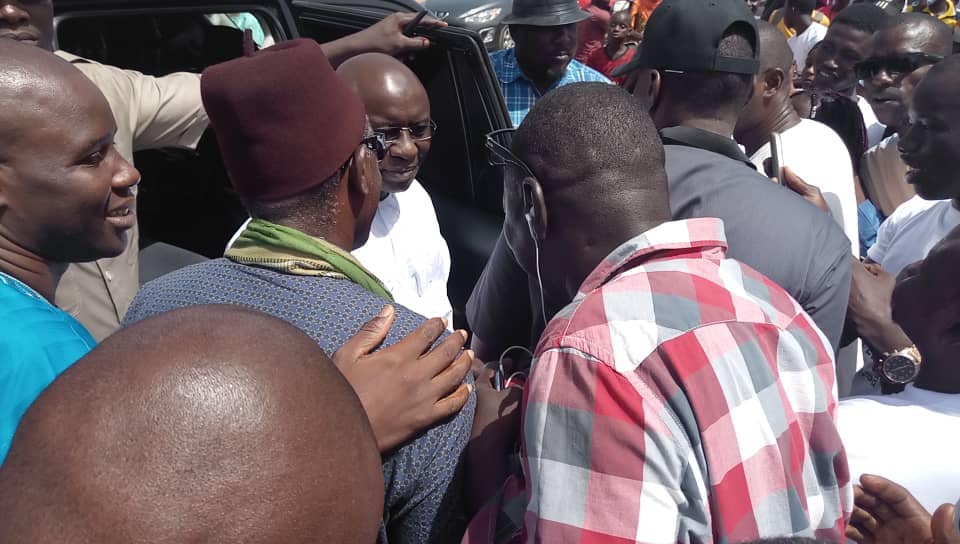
(520, 94)
(682, 397)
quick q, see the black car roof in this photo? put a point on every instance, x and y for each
(379, 5)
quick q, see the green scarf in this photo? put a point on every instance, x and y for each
(268, 245)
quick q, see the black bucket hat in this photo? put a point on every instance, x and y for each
(545, 13)
(684, 35)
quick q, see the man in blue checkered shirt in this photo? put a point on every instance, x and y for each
(545, 33)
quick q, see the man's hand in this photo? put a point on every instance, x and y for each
(496, 429)
(810, 193)
(387, 36)
(871, 292)
(406, 387)
(886, 513)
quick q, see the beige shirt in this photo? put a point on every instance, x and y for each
(884, 176)
(150, 113)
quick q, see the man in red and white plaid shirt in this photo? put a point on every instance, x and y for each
(681, 396)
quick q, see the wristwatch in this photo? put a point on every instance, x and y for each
(899, 367)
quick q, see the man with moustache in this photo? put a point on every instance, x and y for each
(66, 195)
(405, 248)
(545, 33)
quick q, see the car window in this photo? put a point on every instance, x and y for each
(162, 43)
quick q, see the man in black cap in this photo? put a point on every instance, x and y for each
(545, 33)
(696, 88)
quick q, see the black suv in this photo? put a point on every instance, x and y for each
(185, 197)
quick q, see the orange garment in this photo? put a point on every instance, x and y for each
(640, 11)
(777, 19)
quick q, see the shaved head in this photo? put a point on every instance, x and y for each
(918, 32)
(206, 424)
(770, 101)
(774, 51)
(65, 193)
(38, 82)
(395, 99)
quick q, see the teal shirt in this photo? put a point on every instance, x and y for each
(37, 342)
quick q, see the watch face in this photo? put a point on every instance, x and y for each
(899, 369)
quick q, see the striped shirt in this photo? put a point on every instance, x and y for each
(682, 397)
(520, 94)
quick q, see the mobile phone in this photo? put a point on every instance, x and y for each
(412, 25)
(776, 157)
(956, 516)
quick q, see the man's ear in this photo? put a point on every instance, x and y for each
(774, 80)
(6, 178)
(361, 174)
(536, 207)
(653, 83)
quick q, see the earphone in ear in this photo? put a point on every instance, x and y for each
(529, 218)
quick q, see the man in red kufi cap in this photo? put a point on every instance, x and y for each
(312, 200)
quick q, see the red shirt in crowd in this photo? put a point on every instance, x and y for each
(591, 32)
(600, 61)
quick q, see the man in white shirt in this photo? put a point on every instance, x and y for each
(847, 43)
(929, 149)
(798, 16)
(405, 249)
(912, 437)
(812, 150)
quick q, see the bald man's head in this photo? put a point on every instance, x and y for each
(772, 87)
(395, 99)
(65, 193)
(206, 424)
(774, 51)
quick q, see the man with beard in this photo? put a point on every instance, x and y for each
(545, 33)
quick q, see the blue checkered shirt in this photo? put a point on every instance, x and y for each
(520, 94)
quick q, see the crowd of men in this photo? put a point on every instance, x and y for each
(723, 306)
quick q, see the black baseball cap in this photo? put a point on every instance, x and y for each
(683, 35)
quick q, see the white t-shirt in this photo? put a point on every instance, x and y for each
(911, 438)
(801, 44)
(409, 255)
(875, 129)
(816, 154)
(911, 232)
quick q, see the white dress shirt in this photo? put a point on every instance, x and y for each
(911, 438)
(408, 253)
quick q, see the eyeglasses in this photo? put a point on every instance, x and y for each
(499, 154)
(420, 132)
(377, 144)
(894, 65)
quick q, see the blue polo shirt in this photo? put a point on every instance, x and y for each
(520, 94)
(37, 342)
